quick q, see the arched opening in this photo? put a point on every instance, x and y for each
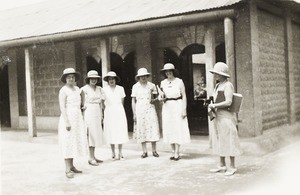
(92, 64)
(125, 69)
(193, 74)
(4, 97)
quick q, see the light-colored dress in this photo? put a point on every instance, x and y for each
(175, 128)
(146, 127)
(73, 143)
(115, 121)
(93, 114)
(227, 136)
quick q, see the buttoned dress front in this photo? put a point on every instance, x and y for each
(115, 121)
(146, 126)
(73, 143)
(175, 128)
(93, 114)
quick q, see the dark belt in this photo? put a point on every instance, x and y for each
(167, 99)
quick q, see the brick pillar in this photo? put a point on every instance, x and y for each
(289, 60)
(13, 89)
(247, 71)
(30, 93)
(105, 59)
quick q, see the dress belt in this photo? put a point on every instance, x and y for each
(93, 102)
(167, 99)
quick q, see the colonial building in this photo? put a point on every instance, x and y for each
(259, 40)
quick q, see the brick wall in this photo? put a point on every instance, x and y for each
(273, 73)
(49, 63)
(296, 57)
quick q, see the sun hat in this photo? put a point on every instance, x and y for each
(92, 74)
(111, 74)
(68, 71)
(220, 68)
(168, 66)
(142, 72)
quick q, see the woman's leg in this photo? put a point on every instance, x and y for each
(232, 162)
(121, 157)
(154, 152)
(222, 161)
(145, 154)
(92, 152)
(112, 146)
(144, 147)
(69, 165)
(173, 149)
(176, 152)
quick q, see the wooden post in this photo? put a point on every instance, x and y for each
(229, 48)
(13, 90)
(105, 57)
(210, 54)
(290, 68)
(30, 93)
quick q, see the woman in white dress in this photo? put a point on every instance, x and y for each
(144, 114)
(92, 106)
(71, 127)
(174, 118)
(115, 121)
(227, 135)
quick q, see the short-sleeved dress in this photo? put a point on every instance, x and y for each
(93, 114)
(115, 121)
(227, 135)
(175, 128)
(73, 143)
(146, 126)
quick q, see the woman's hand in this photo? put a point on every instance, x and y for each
(211, 106)
(134, 118)
(68, 126)
(183, 114)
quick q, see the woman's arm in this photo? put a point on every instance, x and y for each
(133, 105)
(62, 105)
(184, 101)
(228, 93)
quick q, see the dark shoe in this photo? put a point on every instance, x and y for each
(155, 154)
(144, 155)
(98, 161)
(93, 163)
(69, 174)
(176, 159)
(74, 170)
(172, 158)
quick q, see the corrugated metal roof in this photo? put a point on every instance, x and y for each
(59, 16)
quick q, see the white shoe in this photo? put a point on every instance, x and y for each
(230, 172)
(218, 169)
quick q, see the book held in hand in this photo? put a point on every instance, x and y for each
(236, 101)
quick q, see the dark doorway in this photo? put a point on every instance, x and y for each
(197, 113)
(193, 76)
(220, 53)
(4, 97)
(92, 64)
(125, 69)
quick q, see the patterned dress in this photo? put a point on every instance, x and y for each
(227, 136)
(73, 143)
(146, 127)
(175, 128)
(93, 114)
(115, 121)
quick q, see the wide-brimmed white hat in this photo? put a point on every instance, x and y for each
(142, 72)
(168, 66)
(92, 74)
(221, 68)
(111, 74)
(68, 71)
